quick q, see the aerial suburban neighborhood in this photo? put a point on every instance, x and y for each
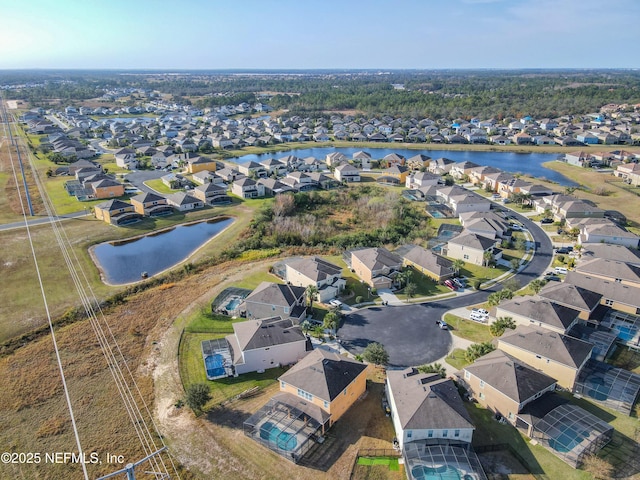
(359, 274)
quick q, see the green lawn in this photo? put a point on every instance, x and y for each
(486, 273)
(158, 186)
(426, 286)
(468, 329)
(456, 359)
(206, 326)
(252, 281)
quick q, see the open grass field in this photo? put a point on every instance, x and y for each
(456, 359)
(22, 309)
(158, 186)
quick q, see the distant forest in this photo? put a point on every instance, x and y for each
(434, 94)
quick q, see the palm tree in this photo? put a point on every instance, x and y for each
(457, 264)
(536, 285)
(487, 257)
(311, 291)
(331, 320)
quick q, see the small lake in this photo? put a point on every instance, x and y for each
(528, 163)
(125, 262)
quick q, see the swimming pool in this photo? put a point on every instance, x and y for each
(443, 472)
(284, 441)
(214, 365)
(567, 440)
(233, 304)
(625, 334)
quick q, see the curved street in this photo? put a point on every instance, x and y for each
(408, 332)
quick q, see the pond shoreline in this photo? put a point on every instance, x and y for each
(103, 277)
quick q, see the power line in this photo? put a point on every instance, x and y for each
(44, 299)
(109, 346)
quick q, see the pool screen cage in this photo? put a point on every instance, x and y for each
(613, 387)
(281, 414)
(571, 433)
(462, 457)
(219, 303)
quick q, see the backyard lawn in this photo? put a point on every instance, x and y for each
(206, 326)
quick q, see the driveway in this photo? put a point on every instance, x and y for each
(409, 333)
(138, 178)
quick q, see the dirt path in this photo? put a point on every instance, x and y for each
(192, 440)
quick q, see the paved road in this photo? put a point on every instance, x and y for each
(39, 220)
(409, 334)
(138, 178)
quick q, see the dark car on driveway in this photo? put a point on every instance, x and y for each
(546, 220)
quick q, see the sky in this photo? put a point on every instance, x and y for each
(319, 34)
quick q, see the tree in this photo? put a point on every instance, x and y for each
(197, 396)
(477, 350)
(457, 264)
(515, 263)
(410, 289)
(376, 354)
(598, 467)
(305, 326)
(331, 320)
(496, 297)
(318, 331)
(487, 258)
(498, 327)
(520, 244)
(536, 285)
(310, 292)
(433, 368)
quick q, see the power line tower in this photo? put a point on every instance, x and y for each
(129, 468)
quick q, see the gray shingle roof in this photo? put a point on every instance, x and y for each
(473, 240)
(426, 259)
(424, 400)
(377, 258)
(276, 294)
(571, 295)
(315, 268)
(563, 349)
(509, 376)
(618, 253)
(610, 269)
(267, 332)
(608, 289)
(323, 374)
(541, 310)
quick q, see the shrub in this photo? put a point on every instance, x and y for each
(376, 354)
(560, 258)
(197, 396)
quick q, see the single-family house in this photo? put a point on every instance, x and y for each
(421, 179)
(577, 298)
(116, 212)
(630, 172)
(540, 312)
(375, 266)
(471, 247)
(273, 299)
(151, 204)
(426, 408)
(247, 188)
(324, 275)
(394, 175)
(426, 262)
(212, 194)
(418, 162)
(578, 159)
(503, 384)
(184, 202)
(559, 356)
(105, 188)
(326, 380)
(198, 164)
(257, 345)
(346, 173)
(440, 166)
